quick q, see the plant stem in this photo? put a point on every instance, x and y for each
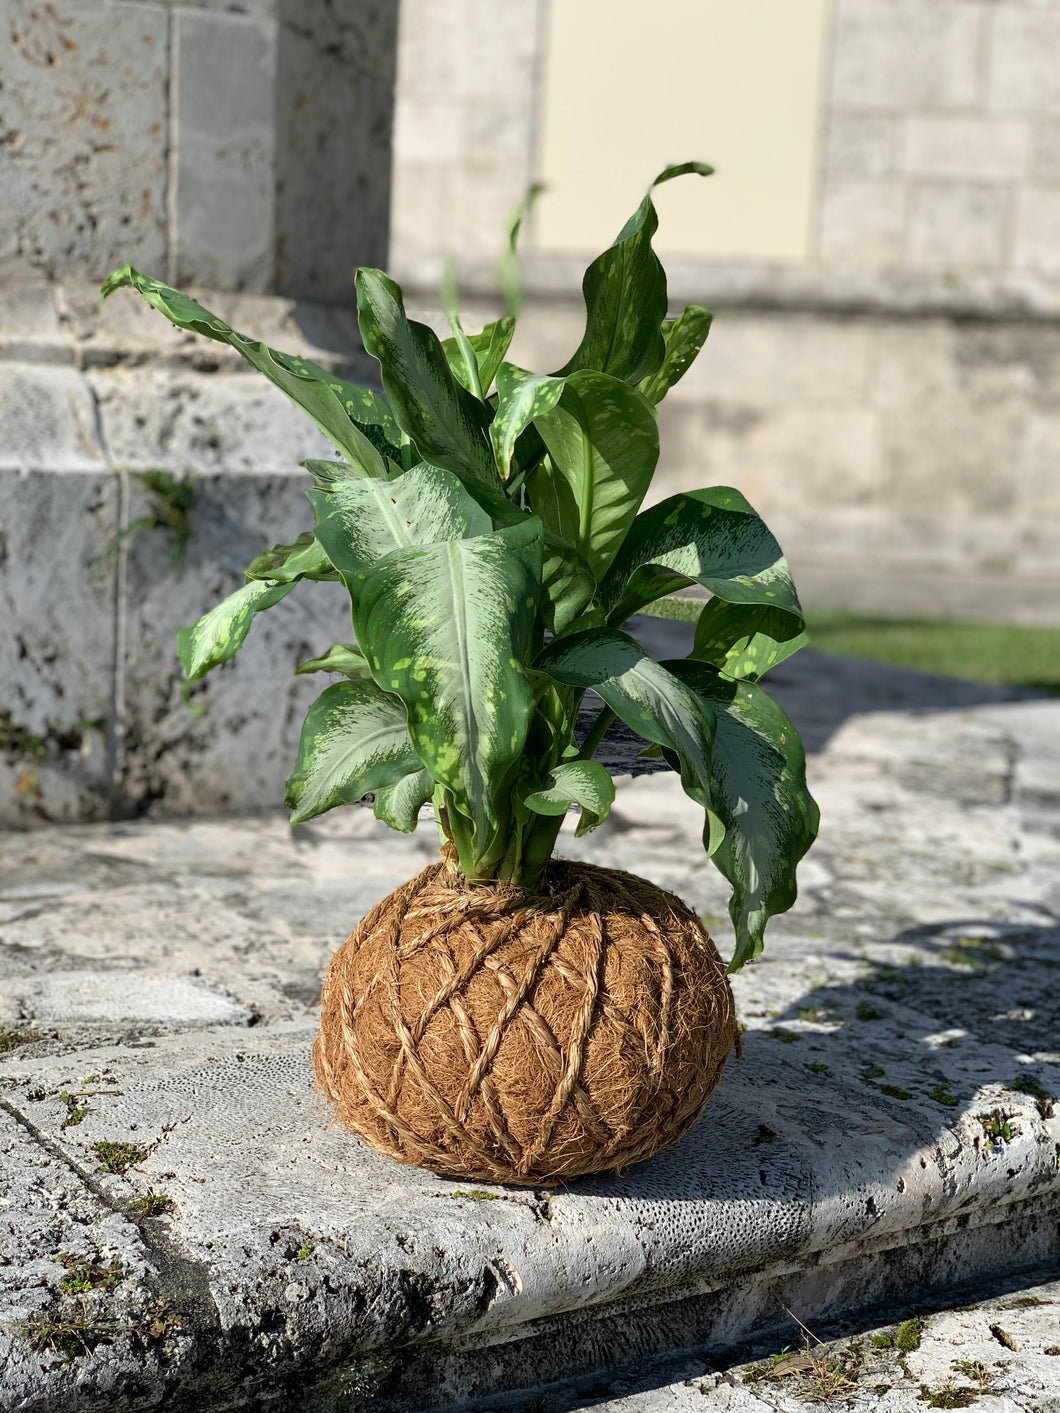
(596, 734)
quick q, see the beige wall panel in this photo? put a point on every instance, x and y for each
(627, 88)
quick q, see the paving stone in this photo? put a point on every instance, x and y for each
(80, 997)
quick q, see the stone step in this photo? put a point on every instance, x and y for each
(890, 1134)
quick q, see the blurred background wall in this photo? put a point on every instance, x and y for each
(881, 245)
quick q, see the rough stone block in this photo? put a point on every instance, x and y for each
(863, 221)
(1024, 75)
(1037, 244)
(427, 131)
(898, 54)
(770, 362)
(966, 149)
(1045, 152)
(239, 751)
(225, 160)
(861, 144)
(57, 647)
(29, 323)
(182, 422)
(952, 225)
(85, 135)
(48, 416)
(334, 111)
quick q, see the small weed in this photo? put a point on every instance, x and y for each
(894, 1091)
(809, 1013)
(84, 1275)
(304, 1252)
(18, 740)
(75, 1112)
(882, 1341)
(151, 1204)
(865, 1011)
(907, 1335)
(1044, 1102)
(763, 1135)
(478, 1196)
(872, 1072)
(9, 1039)
(941, 1095)
(947, 1397)
(973, 951)
(1025, 1302)
(881, 1389)
(79, 1334)
(973, 1369)
(171, 501)
(786, 1037)
(161, 1321)
(815, 1067)
(998, 1127)
(116, 1157)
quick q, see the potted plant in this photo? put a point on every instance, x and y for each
(509, 1015)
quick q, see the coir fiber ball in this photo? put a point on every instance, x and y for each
(484, 1031)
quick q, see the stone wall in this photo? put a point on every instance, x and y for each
(889, 404)
(241, 145)
(93, 719)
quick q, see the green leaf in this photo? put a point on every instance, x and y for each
(218, 634)
(575, 782)
(710, 537)
(284, 564)
(447, 627)
(648, 698)
(488, 347)
(508, 273)
(521, 396)
(603, 443)
(567, 584)
(770, 817)
(399, 805)
(327, 474)
(745, 639)
(355, 739)
(683, 337)
(356, 419)
(447, 424)
(340, 657)
(625, 297)
(361, 522)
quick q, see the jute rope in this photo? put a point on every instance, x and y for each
(485, 1031)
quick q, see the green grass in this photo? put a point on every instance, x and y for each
(997, 653)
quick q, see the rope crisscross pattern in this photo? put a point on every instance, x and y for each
(486, 1031)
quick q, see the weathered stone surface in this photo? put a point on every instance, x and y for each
(57, 648)
(83, 997)
(960, 1356)
(49, 420)
(898, 54)
(83, 156)
(955, 224)
(225, 161)
(891, 1130)
(334, 106)
(237, 746)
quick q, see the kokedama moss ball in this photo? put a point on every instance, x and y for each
(484, 1031)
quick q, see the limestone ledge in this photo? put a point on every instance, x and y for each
(890, 1136)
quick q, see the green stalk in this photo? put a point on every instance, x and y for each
(596, 734)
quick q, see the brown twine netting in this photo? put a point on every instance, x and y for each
(485, 1031)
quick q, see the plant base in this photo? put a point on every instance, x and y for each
(484, 1031)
